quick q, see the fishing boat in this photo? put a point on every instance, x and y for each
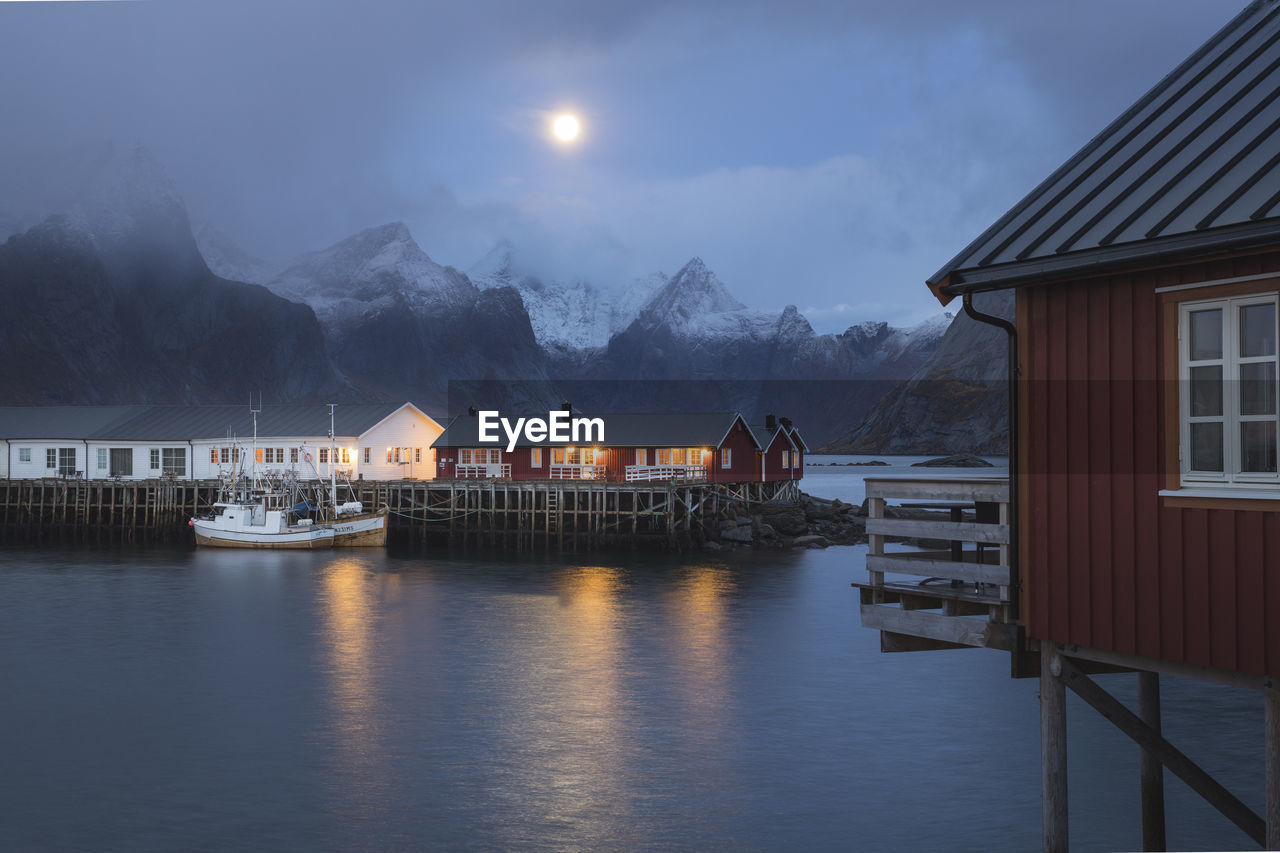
(277, 512)
(265, 522)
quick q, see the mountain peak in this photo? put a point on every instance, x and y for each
(693, 292)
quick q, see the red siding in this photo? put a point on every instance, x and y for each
(744, 467)
(1106, 564)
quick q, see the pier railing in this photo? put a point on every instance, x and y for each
(945, 582)
(483, 470)
(643, 473)
(578, 472)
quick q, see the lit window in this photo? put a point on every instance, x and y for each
(388, 455)
(1228, 373)
(786, 459)
(664, 456)
(213, 456)
(726, 457)
(346, 456)
(642, 456)
(535, 457)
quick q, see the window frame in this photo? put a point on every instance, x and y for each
(1231, 476)
(535, 457)
(726, 457)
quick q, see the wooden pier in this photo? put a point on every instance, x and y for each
(519, 515)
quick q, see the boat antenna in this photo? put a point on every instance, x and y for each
(333, 466)
(254, 462)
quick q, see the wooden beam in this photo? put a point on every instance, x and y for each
(1168, 755)
(1272, 699)
(994, 489)
(922, 623)
(1150, 770)
(1183, 670)
(1053, 753)
(938, 564)
(966, 531)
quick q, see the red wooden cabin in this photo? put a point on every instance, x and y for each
(716, 447)
(778, 453)
(1145, 496)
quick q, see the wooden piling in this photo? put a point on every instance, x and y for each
(1151, 771)
(1053, 751)
(1272, 700)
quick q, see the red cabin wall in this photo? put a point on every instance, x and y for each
(742, 458)
(1106, 562)
(773, 470)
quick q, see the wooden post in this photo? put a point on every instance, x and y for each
(1053, 751)
(1151, 770)
(1272, 699)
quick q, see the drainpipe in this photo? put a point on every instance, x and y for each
(191, 460)
(1011, 332)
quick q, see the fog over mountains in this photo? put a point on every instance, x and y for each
(117, 299)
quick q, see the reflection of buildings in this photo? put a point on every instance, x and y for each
(698, 610)
(351, 615)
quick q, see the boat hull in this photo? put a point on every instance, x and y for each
(211, 536)
(365, 530)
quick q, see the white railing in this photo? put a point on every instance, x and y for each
(636, 473)
(577, 472)
(488, 469)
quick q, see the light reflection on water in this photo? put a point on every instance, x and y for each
(159, 700)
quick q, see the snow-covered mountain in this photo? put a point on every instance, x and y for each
(227, 260)
(404, 326)
(377, 269)
(572, 315)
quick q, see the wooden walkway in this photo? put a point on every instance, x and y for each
(519, 515)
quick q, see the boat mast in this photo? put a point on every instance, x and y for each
(253, 464)
(333, 466)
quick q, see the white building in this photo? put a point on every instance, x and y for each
(370, 441)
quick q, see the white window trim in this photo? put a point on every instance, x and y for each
(535, 457)
(726, 457)
(1230, 479)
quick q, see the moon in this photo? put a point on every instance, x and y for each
(566, 127)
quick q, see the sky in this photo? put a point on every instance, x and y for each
(830, 154)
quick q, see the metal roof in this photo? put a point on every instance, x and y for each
(184, 423)
(765, 437)
(1192, 168)
(649, 429)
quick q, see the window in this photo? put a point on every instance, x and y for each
(102, 459)
(213, 456)
(324, 456)
(24, 454)
(664, 456)
(346, 456)
(155, 459)
(174, 461)
(66, 461)
(678, 456)
(535, 457)
(397, 452)
(642, 456)
(1228, 377)
(417, 455)
(786, 459)
(51, 459)
(293, 455)
(366, 456)
(695, 455)
(726, 457)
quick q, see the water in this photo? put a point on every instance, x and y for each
(180, 699)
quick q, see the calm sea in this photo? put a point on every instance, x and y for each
(175, 699)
